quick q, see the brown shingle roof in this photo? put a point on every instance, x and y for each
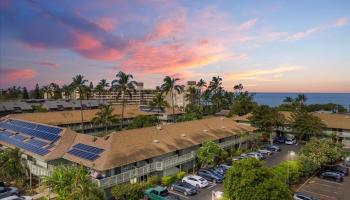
(135, 145)
(333, 120)
(73, 116)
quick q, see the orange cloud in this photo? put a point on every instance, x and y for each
(8, 75)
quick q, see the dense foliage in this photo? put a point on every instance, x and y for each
(105, 117)
(11, 168)
(249, 179)
(243, 103)
(129, 191)
(305, 125)
(73, 183)
(142, 121)
(209, 153)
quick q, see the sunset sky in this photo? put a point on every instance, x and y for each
(267, 45)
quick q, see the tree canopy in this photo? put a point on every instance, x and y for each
(209, 153)
(306, 125)
(11, 168)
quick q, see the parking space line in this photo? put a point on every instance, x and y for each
(320, 189)
(305, 183)
(307, 191)
(330, 186)
(179, 194)
(332, 182)
(212, 185)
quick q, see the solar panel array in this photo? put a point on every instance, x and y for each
(29, 136)
(85, 151)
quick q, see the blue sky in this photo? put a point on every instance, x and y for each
(268, 46)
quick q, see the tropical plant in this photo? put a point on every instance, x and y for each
(288, 100)
(288, 171)
(201, 84)
(142, 121)
(105, 116)
(123, 86)
(73, 183)
(169, 86)
(267, 119)
(67, 91)
(79, 84)
(101, 87)
(159, 104)
(128, 191)
(243, 103)
(215, 87)
(209, 153)
(192, 95)
(11, 166)
(306, 125)
(249, 179)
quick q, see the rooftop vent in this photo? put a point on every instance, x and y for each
(159, 127)
(156, 141)
(223, 127)
(183, 135)
(205, 130)
(222, 118)
(346, 117)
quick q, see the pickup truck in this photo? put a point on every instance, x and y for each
(159, 193)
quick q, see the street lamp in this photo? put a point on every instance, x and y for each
(290, 154)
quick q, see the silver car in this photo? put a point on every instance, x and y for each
(7, 191)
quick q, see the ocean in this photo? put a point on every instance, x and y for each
(275, 99)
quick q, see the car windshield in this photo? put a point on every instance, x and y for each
(202, 179)
(164, 193)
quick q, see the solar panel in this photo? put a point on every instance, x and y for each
(49, 146)
(23, 145)
(83, 154)
(37, 142)
(20, 137)
(88, 148)
(6, 133)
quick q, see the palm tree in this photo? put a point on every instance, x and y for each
(79, 84)
(169, 85)
(192, 95)
(105, 116)
(201, 83)
(288, 100)
(238, 88)
(67, 91)
(215, 86)
(101, 87)
(159, 103)
(123, 85)
(301, 98)
(12, 168)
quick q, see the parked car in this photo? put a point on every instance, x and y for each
(236, 158)
(224, 167)
(197, 181)
(274, 148)
(331, 176)
(302, 196)
(255, 155)
(265, 152)
(210, 175)
(15, 197)
(346, 163)
(337, 168)
(280, 139)
(7, 191)
(183, 187)
(291, 141)
(159, 193)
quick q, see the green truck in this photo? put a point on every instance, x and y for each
(159, 193)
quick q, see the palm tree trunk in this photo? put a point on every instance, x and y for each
(123, 105)
(106, 128)
(81, 114)
(172, 103)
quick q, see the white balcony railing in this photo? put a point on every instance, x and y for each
(137, 172)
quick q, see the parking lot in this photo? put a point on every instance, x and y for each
(206, 193)
(325, 189)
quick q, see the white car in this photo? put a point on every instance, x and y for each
(254, 155)
(265, 151)
(291, 141)
(15, 197)
(196, 181)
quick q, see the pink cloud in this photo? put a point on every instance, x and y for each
(9, 75)
(303, 34)
(248, 24)
(342, 21)
(107, 24)
(47, 64)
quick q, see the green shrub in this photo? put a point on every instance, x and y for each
(288, 171)
(167, 180)
(153, 180)
(180, 175)
(129, 191)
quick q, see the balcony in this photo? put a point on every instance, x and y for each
(137, 172)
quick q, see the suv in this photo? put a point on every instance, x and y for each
(7, 191)
(273, 148)
(210, 175)
(255, 155)
(159, 193)
(196, 181)
(183, 187)
(338, 168)
(331, 176)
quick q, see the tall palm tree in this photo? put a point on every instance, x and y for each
(301, 98)
(238, 88)
(123, 85)
(201, 83)
(192, 95)
(159, 103)
(105, 116)
(169, 85)
(67, 91)
(288, 100)
(101, 87)
(215, 86)
(79, 84)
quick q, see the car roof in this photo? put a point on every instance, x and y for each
(194, 176)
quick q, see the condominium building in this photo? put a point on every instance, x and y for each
(126, 156)
(338, 124)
